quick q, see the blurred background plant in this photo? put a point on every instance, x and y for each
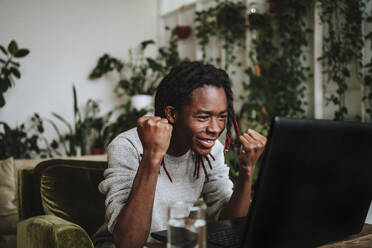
(125, 120)
(342, 49)
(140, 74)
(90, 132)
(75, 141)
(136, 76)
(26, 140)
(226, 22)
(273, 74)
(277, 72)
(10, 68)
(367, 80)
(279, 75)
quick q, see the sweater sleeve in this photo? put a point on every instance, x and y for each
(218, 190)
(123, 162)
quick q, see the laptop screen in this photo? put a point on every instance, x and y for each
(314, 185)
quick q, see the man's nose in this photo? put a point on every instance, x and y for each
(213, 126)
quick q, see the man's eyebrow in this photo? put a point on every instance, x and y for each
(201, 111)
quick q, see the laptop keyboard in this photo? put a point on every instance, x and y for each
(224, 238)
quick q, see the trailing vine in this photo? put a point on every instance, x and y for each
(342, 46)
(367, 80)
(226, 21)
(279, 75)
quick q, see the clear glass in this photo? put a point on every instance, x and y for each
(187, 225)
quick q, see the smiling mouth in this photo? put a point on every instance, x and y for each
(207, 143)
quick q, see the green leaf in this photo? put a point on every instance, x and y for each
(2, 101)
(3, 50)
(63, 120)
(21, 53)
(76, 108)
(145, 43)
(15, 63)
(5, 83)
(54, 144)
(13, 47)
(15, 72)
(3, 86)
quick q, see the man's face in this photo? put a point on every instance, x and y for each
(200, 123)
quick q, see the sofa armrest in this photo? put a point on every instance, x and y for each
(47, 231)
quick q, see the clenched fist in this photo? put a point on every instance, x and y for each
(155, 134)
(253, 145)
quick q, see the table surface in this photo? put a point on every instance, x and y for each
(359, 240)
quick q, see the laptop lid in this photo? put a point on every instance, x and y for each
(314, 184)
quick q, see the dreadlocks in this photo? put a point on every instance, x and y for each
(176, 89)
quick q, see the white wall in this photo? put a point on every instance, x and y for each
(66, 38)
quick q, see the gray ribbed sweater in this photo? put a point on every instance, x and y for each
(123, 159)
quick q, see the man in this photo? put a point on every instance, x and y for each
(175, 155)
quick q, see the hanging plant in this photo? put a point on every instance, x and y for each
(183, 32)
(342, 46)
(367, 80)
(226, 21)
(256, 20)
(279, 75)
(273, 4)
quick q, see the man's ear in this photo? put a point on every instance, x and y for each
(170, 114)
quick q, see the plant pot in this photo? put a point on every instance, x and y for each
(97, 150)
(273, 4)
(142, 102)
(222, 17)
(228, 17)
(183, 32)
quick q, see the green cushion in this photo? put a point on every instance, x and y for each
(50, 231)
(69, 190)
(28, 196)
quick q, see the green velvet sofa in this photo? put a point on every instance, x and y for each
(59, 204)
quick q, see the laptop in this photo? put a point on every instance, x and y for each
(314, 187)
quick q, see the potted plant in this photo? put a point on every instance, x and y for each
(9, 68)
(227, 22)
(228, 15)
(126, 120)
(76, 141)
(137, 79)
(140, 75)
(100, 133)
(273, 4)
(25, 141)
(183, 31)
(256, 20)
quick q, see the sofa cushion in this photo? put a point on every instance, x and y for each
(69, 190)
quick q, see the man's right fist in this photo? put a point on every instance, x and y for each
(155, 134)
